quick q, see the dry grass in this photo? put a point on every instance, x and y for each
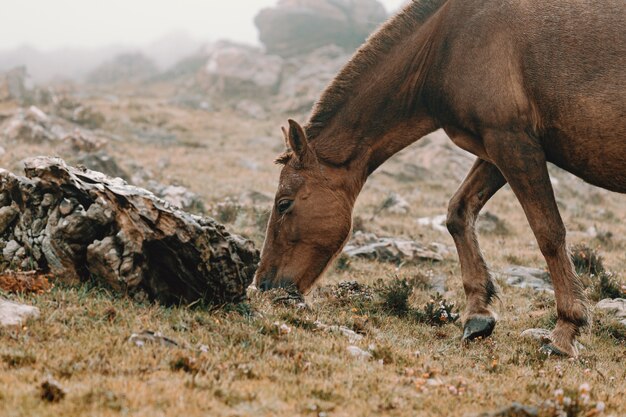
(268, 359)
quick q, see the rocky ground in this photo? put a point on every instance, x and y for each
(380, 334)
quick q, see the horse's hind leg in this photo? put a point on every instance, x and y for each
(482, 182)
(522, 161)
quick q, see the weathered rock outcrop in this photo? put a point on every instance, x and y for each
(236, 70)
(80, 224)
(296, 27)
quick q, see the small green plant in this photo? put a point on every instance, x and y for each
(395, 296)
(437, 312)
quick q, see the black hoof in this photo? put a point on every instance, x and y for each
(481, 326)
(551, 350)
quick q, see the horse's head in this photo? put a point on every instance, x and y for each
(311, 218)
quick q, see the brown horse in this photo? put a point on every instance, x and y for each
(515, 82)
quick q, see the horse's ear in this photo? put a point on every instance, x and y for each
(285, 136)
(297, 140)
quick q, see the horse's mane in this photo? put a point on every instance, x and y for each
(377, 46)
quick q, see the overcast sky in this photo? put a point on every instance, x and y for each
(52, 24)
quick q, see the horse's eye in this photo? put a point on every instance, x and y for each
(284, 205)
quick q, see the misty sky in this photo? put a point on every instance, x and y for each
(52, 24)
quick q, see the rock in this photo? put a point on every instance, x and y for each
(616, 307)
(15, 314)
(237, 71)
(305, 77)
(9, 250)
(88, 117)
(352, 336)
(150, 337)
(490, 224)
(296, 27)
(82, 141)
(438, 284)
(7, 216)
(359, 353)
(524, 277)
(436, 222)
(32, 125)
(369, 246)
(102, 162)
(178, 196)
(91, 226)
(131, 67)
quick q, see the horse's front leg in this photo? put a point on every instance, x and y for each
(482, 182)
(522, 161)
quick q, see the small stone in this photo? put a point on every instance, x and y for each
(66, 207)
(9, 250)
(15, 314)
(7, 215)
(149, 337)
(359, 353)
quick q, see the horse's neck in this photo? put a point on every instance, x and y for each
(362, 136)
(382, 112)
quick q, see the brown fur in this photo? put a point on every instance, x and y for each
(518, 83)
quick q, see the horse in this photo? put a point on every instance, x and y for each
(517, 83)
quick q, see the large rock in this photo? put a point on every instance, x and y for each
(305, 77)
(235, 70)
(80, 224)
(296, 27)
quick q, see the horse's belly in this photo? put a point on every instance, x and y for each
(598, 160)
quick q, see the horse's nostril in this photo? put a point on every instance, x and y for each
(265, 285)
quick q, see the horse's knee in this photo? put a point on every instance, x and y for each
(456, 219)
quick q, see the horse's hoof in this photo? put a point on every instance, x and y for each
(479, 326)
(550, 350)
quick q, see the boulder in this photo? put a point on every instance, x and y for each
(296, 27)
(83, 225)
(239, 71)
(305, 77)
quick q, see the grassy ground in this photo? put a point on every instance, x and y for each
(271, 359)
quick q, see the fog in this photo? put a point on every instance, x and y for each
(47, 25)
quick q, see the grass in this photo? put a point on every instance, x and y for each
(270, 356)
